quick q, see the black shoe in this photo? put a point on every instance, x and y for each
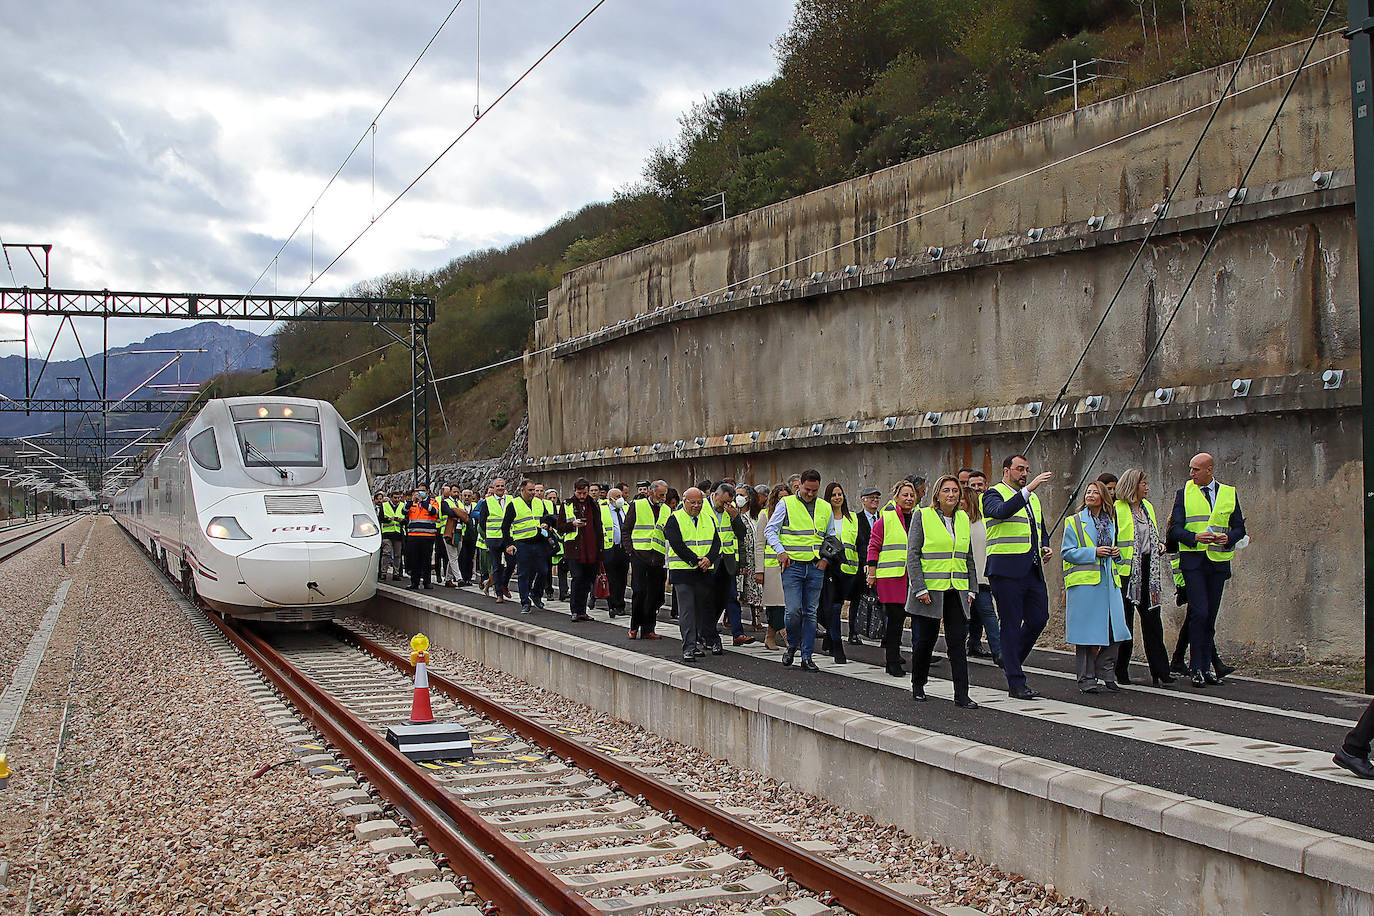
(855, 641)
(825, 646)
(1090, 688)
(1224, 670)
(699, 652)
(896, 671)
(539, 606)
(718, 649)
(613, 614)
(579, 618)
(1163, 681)
(1360, 766)
(839, 659)
(1199, 680)
(787, 658)
(919, 694)
(1124, 679)
(1023, 693)
(1112, 686)
(412, 588)
(965, 703)
(1211, 679)
(976, 652)
(689, 656)
(936, 659)
(997, 660)
(808, 665)
(1179, 668)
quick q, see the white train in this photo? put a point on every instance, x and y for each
(259, 506)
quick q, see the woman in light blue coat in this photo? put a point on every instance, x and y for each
(1094, 615)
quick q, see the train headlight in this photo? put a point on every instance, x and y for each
(363, 526)
(226, 528)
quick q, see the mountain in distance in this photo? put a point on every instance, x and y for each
(222, 345)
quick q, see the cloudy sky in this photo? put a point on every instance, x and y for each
(174, 146)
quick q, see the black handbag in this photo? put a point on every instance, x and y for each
(870, 619)
(832, 550)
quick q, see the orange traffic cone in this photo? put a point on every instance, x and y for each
(421, 712)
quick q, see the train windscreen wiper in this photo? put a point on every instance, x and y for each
(251, 449)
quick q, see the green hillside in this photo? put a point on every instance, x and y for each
(860, 85)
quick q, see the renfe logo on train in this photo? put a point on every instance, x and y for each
(302, 528)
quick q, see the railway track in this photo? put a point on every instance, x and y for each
(542, 821)
(16, 542)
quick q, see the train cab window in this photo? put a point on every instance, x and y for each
(351, 452)
(280, 443)
(205, 450)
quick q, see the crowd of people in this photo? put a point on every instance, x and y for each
(968, 556)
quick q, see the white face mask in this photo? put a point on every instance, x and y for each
(620, 502)
(741, 501)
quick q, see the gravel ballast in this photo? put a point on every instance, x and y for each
(151, 806)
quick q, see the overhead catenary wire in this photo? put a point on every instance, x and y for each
(1160, 214)
(1197, 269)
(947, 205)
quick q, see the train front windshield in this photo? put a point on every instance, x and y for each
(287, 443)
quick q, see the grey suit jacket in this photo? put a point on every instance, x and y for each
(916, 580)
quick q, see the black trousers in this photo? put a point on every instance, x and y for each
(1204, 586)
(927, 631)
(617, 563)
(440, 558)
(1151, 632)
(419, 554)
(892, 636)
(1181, 647)
(583, 577)
(466, 554)
(647, 582)
(1358, 741)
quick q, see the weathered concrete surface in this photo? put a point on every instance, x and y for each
(1001, 326)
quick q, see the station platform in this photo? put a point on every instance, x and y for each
(1243, 769)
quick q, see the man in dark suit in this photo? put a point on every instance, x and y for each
(1206, 524)
(869, 497)
(1017, 551)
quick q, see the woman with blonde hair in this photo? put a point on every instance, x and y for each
(887, 568)
(1141, 574)
(1094, 620)
(943, 579)
(766, 563)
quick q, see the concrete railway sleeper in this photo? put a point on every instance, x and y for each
(833, 883)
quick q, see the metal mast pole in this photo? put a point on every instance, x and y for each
(1362, 124)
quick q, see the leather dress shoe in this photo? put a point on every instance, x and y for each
(896, 671)
(808, 665)
(1224, 670)
(1164, 681)
(918, 694)
(1199, 680)
(1112, 686)
(651, 636)
(966, 703)
(787, 658)
(1023, 693)
(1179, 668)
(1360, 766)
(744, 640)
(1211, 679)
(1124, 679)
(839, 659)
(1090, 688)
(634, 634)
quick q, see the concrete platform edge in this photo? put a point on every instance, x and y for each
(1131, 847)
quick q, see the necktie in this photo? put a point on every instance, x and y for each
(1035, 535)
(1208, 491)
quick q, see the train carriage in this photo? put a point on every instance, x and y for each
(260, 507)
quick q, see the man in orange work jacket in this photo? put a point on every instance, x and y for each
(422, 532)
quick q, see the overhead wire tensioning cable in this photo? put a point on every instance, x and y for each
(1160, 214)
(449, 148)
(1197, 269)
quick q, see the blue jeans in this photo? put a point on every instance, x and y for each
(986, 615)
(801, 593)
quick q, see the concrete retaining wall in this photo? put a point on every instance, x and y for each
(638, 362)
(1133, 848)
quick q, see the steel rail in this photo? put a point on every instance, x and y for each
(500, 871)
(832, 883)
(42, 535)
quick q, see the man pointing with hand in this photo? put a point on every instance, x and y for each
(1017, 552)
